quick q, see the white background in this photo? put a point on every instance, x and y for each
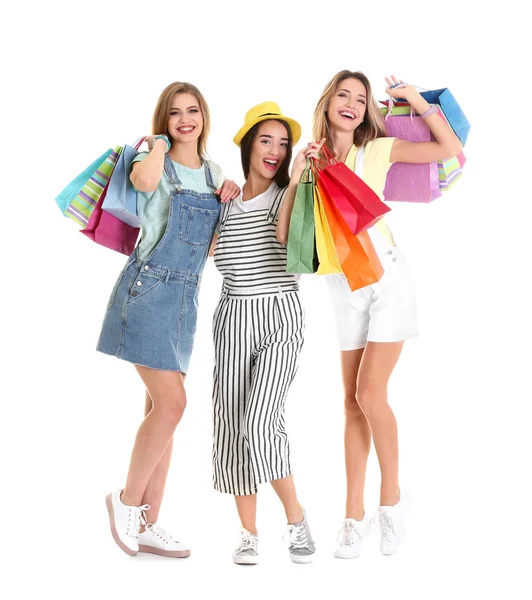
(80, 77)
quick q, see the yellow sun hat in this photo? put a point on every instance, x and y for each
(264, 112)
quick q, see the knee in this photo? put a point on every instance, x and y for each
(172, 409)
(352, 408)
(370, 398)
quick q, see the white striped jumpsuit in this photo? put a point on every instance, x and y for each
(258, 334)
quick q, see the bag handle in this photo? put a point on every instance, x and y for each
(391, 100)
(139, 142)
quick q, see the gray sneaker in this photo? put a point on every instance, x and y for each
(302, 548)
(247, 552)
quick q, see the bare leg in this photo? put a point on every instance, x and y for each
(247, 511)
(378, 362)
(357, 436)
(155, 489)
(286, 491)
(167, 393)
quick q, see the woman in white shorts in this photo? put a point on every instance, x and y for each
(373, 322)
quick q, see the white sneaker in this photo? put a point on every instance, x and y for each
(125, 522)
(247, 552)
(391, 524)
(351, 536)
(302, 548)
(156, 540)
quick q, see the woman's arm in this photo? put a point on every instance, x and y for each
(447, 143)
(283, 224)
(145, 175)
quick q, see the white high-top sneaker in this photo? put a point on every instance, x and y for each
(351, 536)
(247, 552)
(156, 540)
(391, 524)
(125, 522)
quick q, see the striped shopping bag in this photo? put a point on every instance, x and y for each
(449, 172)
(84, 203)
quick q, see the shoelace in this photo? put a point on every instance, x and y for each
(160, 532)
(297, 535)
(348, 534)
(386, 525)
(248, 541)
(137, 516)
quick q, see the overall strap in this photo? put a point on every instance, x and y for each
(224, 214)
(170, 172)
(276, 204)
(208, 175)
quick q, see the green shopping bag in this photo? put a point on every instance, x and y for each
(302, 256)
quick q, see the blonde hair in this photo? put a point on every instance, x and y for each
(371, 128)
(162, 112)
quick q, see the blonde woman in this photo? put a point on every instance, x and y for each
(374, 322)
(151, 314)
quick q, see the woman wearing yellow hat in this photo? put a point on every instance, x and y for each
(258, 335)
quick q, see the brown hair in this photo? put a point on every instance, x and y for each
(371, 128)
(282, 178)
(162, 112)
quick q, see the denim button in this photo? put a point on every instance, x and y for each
(139, 283)
(390, 251)
(133, 293)
(146, 268)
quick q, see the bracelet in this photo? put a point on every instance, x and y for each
(430, 111)
(165, 138)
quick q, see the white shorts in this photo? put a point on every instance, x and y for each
(383, 312)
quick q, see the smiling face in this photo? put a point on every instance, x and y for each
(347, 107)
(185, 122)
(269, 149)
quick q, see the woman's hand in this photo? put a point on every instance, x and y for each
(149, 140)
(399, 89)
(229, 191)
(311, 150)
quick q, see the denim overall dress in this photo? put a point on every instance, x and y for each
(151, 314)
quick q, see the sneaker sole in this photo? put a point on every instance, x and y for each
(167, 553)
(301, 560)
(345, 556)
(246, 560)
(119, 542)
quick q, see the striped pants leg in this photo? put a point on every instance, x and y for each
(257, 345)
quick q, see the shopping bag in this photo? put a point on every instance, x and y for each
(411, 182)
(357, 257)
(449, 171)
(72, 189)
(82, 206)
(106, 230)
(301, 247)
(356, 202)
(121, 197)
(452, 111)
(327, 257)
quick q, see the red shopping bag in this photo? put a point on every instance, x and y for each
(355, 201)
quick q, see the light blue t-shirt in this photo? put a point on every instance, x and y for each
(153, 207)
